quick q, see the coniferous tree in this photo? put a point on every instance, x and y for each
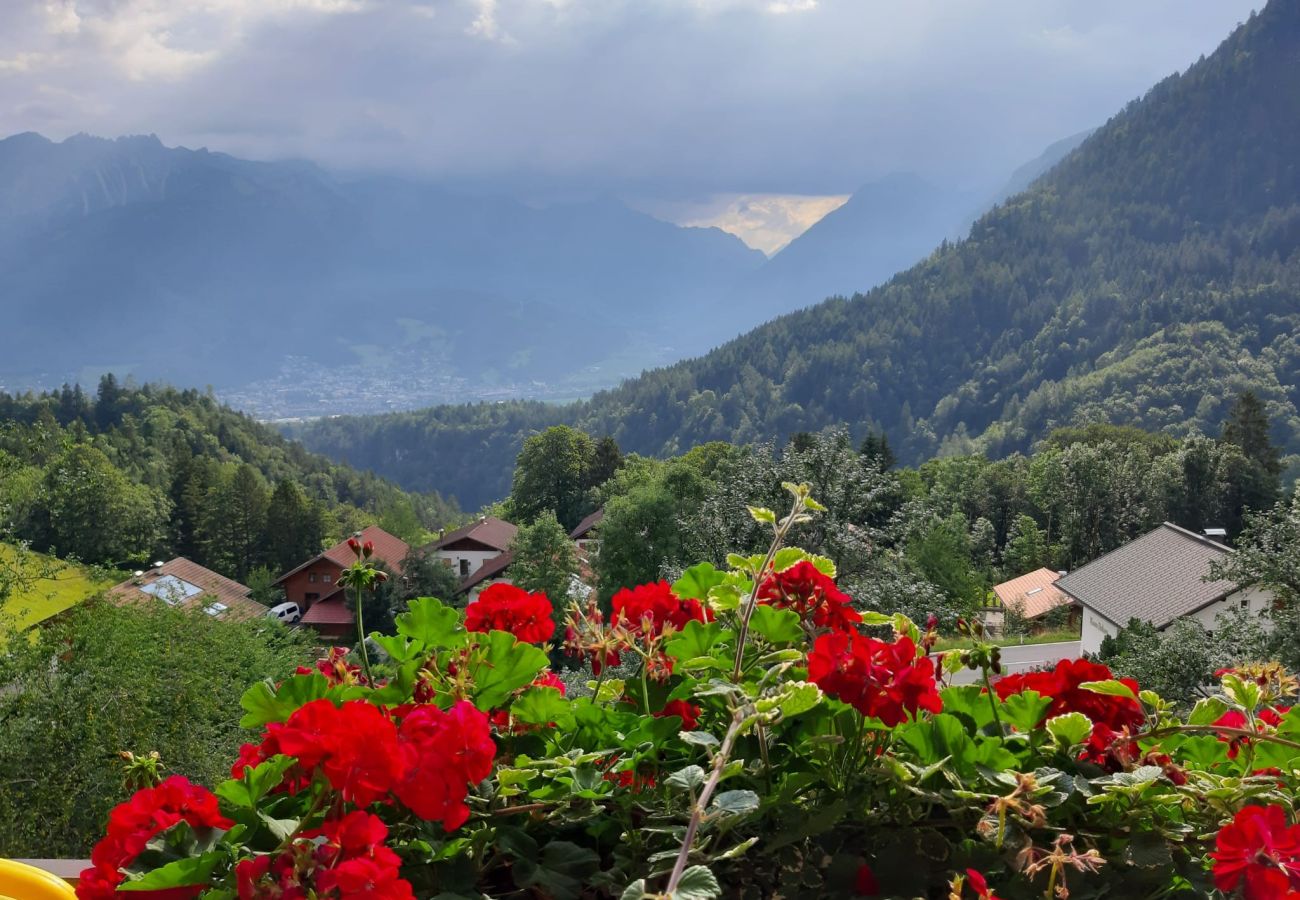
(875, 447)
(295, 527)
(1248, 427)
(233, 527)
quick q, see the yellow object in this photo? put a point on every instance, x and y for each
(23, 882)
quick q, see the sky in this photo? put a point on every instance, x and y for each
(761, 114)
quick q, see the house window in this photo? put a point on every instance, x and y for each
(327, 578)
(311, 597)
(464, 568)
(311, 576)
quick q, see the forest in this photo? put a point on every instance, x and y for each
(1144, 281)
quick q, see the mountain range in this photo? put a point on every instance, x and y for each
(1147, 278)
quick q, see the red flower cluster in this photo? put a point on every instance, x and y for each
(647, 609)
(1270, 716)
(335, 667)
(504, 607)
(885, 681)
(803, 588)
(1259, 852)
(689, 712)
(428, 762)
(350, 862)
(1112, 717)
(131, 825)
(980, 885)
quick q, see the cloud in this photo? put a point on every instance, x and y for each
(766, 222)
(677, 99)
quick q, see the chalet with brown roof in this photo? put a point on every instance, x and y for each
(468, 549)
(586, 535)
(314, 584)
(496, 571)
(188, 585)
(1033, 595)
(1159, 578)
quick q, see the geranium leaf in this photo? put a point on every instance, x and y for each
(263, 703)
(1110, 687)
(501, 666)
(695, 640)
(689, 778)
(179, 873)
(542, 706)
(697, 581)
(561, 870)
(427, 620)
(1025, 709)
(823, 564)
(634, 891)
(1070, 729)
(787, 557)
(697, 883)
(777, 626)
(1206, 711)
(734, 803)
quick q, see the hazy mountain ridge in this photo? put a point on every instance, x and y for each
(1146, 278)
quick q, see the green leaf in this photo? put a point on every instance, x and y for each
(699, 738)
(1110, 687)
(256, 783)
(697, 581)
(1025, 709)
(798, 697)
(181, 873)
(734, 803)
(787, 557)
(940, 737)
(501, 666)
(695, 640)
(823, 564)
(689, 778)
(876, 619)
(634, 891)
(263, 703)
(777, 626)
(762, 515)
(968, 700)
(542, 706)
(1206, 711)
(697, 883)
(427, 620)
(1070, 729)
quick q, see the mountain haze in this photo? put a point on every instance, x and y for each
(1149, 276)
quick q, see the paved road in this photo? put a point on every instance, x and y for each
(1028, 656)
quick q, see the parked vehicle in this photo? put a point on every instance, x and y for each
(288, 613)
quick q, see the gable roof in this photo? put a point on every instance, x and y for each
(587, 524)
(490, 569)
(389, 549)
(331, 610)
(489, 531)
(184, 583)
(1033, 593)
(1156, 578)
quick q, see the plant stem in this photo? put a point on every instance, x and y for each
(742, 636)
(702, 802)
(361, 635)
(993, 699)
(1217, 729)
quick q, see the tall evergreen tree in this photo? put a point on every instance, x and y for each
(234, 522)
(295, 527)
(1248, 427)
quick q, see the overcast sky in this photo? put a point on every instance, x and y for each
(681, 99)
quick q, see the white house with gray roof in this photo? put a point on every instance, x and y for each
(1158, 578)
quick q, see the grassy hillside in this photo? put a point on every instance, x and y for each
(61, 585)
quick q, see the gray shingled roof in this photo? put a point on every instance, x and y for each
(1156, 578)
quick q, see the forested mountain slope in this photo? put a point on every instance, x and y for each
(1150, 276)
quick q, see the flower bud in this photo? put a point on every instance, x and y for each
(354, 545)
(931, 622)
(368, 549)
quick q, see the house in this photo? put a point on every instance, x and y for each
(467, 549)
(586, 534)
(496, 571)
(1158, 578)
(314, 584)
(1034, 595)
(187, 584)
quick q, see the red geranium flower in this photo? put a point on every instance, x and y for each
(131, 825)
(504, 607)
(354, 745)
(1260, 852)
(865, 883)
(1235, 718)
(689, 712)
(980, 886)
(803, 588)
(885, 681)
(443, 754)
(647, 609)
(335, 667)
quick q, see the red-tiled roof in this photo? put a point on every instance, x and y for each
(587, 524)
(1033, 593)
(212, 588)
(488, 531)
(388, 549)
(333, 610)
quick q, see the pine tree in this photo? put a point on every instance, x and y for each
(295, 527)
(1248, 427)
(875, 447)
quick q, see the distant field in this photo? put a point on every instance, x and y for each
(1048, 637)
(68, 585)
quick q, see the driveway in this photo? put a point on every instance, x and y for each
(1018, 658)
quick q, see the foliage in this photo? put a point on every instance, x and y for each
(104, 679)
(34, 586)
(545, 560)
(556, 471)
(139, 473)
(770, 741)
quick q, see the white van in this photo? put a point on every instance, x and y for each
(288, 613)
